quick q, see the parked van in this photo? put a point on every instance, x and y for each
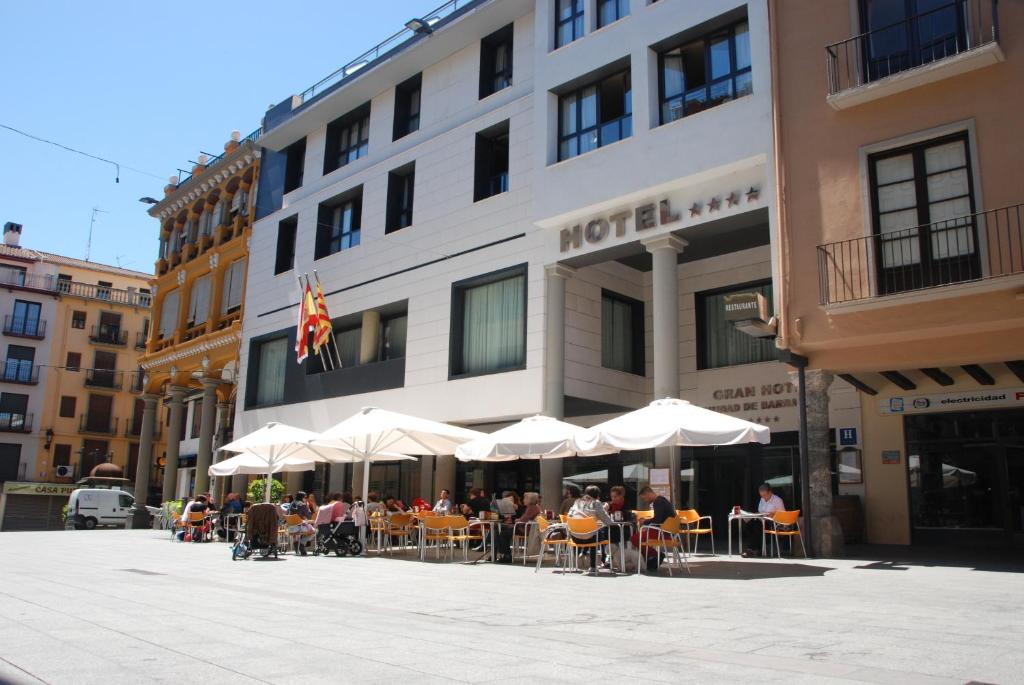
(91, 507)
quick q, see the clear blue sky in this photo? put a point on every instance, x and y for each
(150, 84)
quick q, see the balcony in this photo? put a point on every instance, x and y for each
(104, 378)
(952, 39)
(140, 341)
(109, 335)
(133, 429)
(89, 291)
(15, 422)
(97, 424)
(137, 383)
(971, 248)
(21, 327)
(20, 371)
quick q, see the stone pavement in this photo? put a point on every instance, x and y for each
(110, 606)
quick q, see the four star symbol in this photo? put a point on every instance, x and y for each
(753, 194)
(714, 204)
(695, 209)
(733, 199)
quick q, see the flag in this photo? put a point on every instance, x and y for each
(323, 329)
(306, 323)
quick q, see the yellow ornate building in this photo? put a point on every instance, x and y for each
(191, 358)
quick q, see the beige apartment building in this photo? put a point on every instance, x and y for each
(902, 254)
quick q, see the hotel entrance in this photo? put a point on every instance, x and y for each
(966, 474)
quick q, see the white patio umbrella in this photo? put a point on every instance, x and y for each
(535, 437)
(380, 435)
(252, 465)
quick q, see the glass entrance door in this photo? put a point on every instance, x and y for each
(1015, 487)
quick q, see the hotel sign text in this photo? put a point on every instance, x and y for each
(643, 217)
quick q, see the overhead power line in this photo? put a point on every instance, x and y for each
(117, 165)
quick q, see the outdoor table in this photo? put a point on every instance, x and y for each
(622, 525)
(492, 525)
(745, 516)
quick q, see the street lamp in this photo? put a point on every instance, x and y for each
(148, 200)
(419, 26)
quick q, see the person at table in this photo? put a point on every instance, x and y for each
(661, 511)
(589, 505)
(311, 503)
(302, 532)
(444, 503)
(572, 493)
(478, 501)
(232, 505)
(507, 505)
(393, 506)
(373, 504)
(618, 510)
(767, 504)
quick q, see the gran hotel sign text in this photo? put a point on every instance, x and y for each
(644, 217)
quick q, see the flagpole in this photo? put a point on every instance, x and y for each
(330, 360)
(334, 340)
(302, 304)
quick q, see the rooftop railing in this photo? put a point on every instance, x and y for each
(939, 33)
(212, 161)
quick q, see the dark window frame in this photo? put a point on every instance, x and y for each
(576, 19)
(493, 79)
(284, 258)
(69, 364)
(408, 107)
(332, 237)
(620, 11)
(256, 350)
(702, 324)
(24, 328)
(729, 31)
(401, 198)
(455, 337)
(490, 175)
(68, 407)
(78, 321)
(624, 121)
(339, 150)
(294, 165)
(636, 332)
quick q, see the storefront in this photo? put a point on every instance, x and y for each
(33, 506)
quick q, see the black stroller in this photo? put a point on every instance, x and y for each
(260, 535)
(342, 538)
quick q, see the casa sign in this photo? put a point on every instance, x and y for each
(16, 488)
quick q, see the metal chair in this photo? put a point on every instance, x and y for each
(690, 520)
(586, 529)
(435, 529)
(558, 545)
(669, 539)
(785, 524)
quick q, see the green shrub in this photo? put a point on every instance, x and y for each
(255, 492)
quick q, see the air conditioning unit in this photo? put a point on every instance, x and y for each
(63, 471)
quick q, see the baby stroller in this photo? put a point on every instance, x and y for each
(260, 535)
(342, 538)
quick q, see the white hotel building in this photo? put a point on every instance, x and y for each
(531, 206)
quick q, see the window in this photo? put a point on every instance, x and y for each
(609, 11)
(622, 333)
(64, 283)
(62, 455)
(286, 230)
(74, 361)
(67, 406)
(206, 223)
(568, 21)
(496, 62)
(295, 160)
(491, 167)
(338, 224)
(77, 319)
(234, 282)
(240, 200)
(199, 302)
(169, 314)
(400, 191)
(25, 320)
(349, 343)
(908, 33)
(103, 290)
(392, 338)
(12, 275)
(922, 198)
(596, 115)
(19, 363)
(407, 107)
(271, 358)
(13, 408)
(348, 139)
(719, 343)
(705, 72)
(489, 323)
(197, 418)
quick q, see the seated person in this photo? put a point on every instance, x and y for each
(618, 510)
(767, 503)
(478, 501)
(444, 503)
(303, 532)
(507, 504)
(662, 511)
(572, 493)
(589, 506)
(531, 510)
(373, 504)
(393, 506)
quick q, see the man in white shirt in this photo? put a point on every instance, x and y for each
(769, 502)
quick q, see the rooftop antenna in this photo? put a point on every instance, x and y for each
(92, 220)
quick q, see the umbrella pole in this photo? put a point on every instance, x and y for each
(266, 489)
(366, 496)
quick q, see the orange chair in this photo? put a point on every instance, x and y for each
(378, 524)
(692, 528)
(196, 524)
(785, 524)
(669, 539)
(460, 531)
(398, 526)
(643, 515)
(556, 544)
(586, 528)
(434, 529)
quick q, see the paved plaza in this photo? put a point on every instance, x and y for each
(111, 606)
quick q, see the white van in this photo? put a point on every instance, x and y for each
(91, 507)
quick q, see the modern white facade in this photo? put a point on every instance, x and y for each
(623, 251)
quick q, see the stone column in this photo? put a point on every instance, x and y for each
(339, 473)
(554, 374)
(369, 340)
(445, 475)
(665, 251)
(176, 404)
(427, 478)
(825, 528)
(140, 516)
(207, 426)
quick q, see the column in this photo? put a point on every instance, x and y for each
(825, 528)
(665, 251)
(427, 478)
(444, 478)
(140, 517)
(176, 404)
(369, 340)
(554, 374)
(339, 473)
(207, 424)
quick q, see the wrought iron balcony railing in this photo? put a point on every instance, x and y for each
(975, 247)
(940, 33)
(104, 378)
(109, 335)
(24, 327)
(15, 422)
(21, 371)
(99, 424)
(185, 177)
(140, 341)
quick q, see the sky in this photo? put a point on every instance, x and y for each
(149, 85)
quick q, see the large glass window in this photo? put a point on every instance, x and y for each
(491, 164)
(705, 72)
(393, 335)
(169, 314)
(609, 11)
(234, 283)
(719, 342)
(568, 21)
(348, 139)
(19, 363)
(401, 183)
(284, 259)
(295, 161)
(199, 302)
(339, 224)
(622, 333)
(25, 319)
(489, 324)
(595, 115)
(496, 61)
(902, 34)
(407, 107)
(272, 358)
(923, 199)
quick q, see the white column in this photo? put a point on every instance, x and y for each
(176, 405)
(145, 460)
(554, 374)
(665, 251)
(207, 427)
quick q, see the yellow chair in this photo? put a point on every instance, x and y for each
(563, 517)
(433, 529)
(196, 521)
(177, 525)
(460, 530)
(669, 540)
(586, 528)
(399, 526)
(785, 524)
(691, 521)
(643, 515)
(558, 545)
(378, 524)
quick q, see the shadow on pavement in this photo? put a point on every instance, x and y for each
(747, 570)
(903, 557)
